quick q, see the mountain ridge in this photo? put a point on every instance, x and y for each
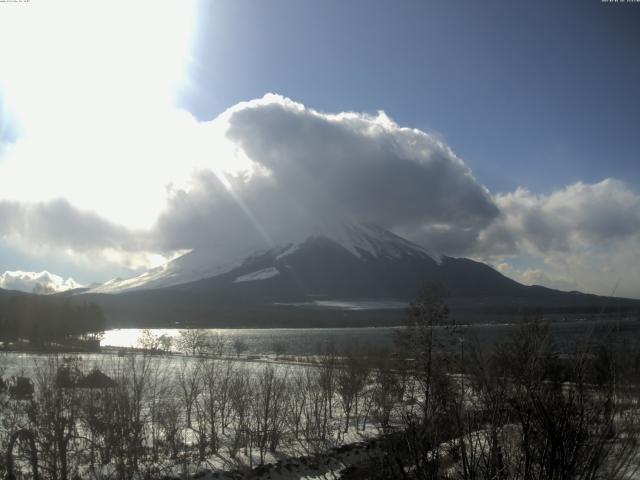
(303, 284)
(359, 240)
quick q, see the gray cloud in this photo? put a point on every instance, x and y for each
(576, 217)
(537, 276)
(587, 235)
(311, 168)
(210, 216)
(366, 167)
(57, 223)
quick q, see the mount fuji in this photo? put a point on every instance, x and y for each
(349, 274)
(349, 249)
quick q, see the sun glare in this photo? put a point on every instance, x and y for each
(81, 56)
(90, 93)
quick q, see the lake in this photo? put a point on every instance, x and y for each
(305, 341)
(298, 341)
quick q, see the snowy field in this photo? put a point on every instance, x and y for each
(171, 414)
(202, 414)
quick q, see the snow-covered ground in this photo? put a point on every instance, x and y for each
(296, 457)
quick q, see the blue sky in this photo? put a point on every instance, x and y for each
(540, 94)
(115, 113)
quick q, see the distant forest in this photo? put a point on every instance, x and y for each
(44, 320)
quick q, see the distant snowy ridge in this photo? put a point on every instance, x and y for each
(189, 267)
(351, 304)
(259, 275)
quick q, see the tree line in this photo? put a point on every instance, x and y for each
(45, 320)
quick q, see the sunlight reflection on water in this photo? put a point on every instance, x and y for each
(303, 341)
(261, 341)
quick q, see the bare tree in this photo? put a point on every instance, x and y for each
(170, 420)
(193, 341)
(224, 393)
(327, 379)
(131, 413)
(385, 392)
(212, 386)
(53, 415)
(240, 346)
(424, 419)
(217, 344)
(350, 381)
(296, 401)
(166, 342)
(190, 383)
(317, 426)
(160, 388)
(279, 348)
(240, 400)
(149, 341)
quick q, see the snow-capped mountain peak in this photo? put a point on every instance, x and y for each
(361, 241)
(364, 239)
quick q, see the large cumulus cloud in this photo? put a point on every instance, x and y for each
(366, 166)
(308, 168)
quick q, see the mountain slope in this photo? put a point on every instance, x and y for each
(320, 268)
(351, 263)
(354, 242)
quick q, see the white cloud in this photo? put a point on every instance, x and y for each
(578, 216)
(297, 168)
(587, 234)
(32, 282)
(536, 276)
